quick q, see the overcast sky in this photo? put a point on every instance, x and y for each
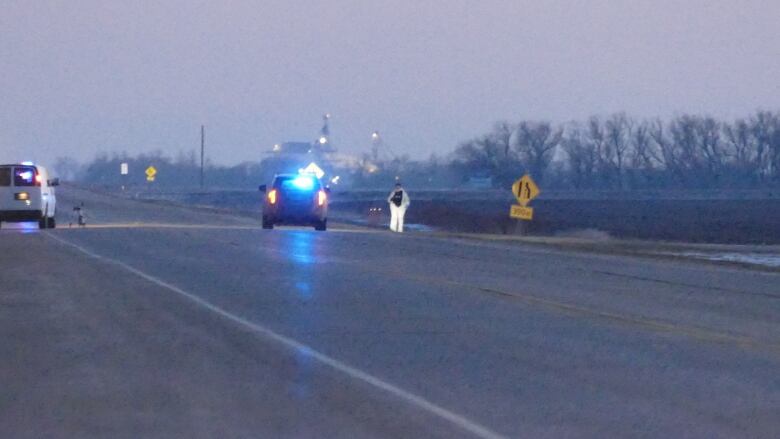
(78, 77)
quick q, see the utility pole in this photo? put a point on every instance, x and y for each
(202, 151)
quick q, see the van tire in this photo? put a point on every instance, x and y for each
(51, 223)
(42, 223)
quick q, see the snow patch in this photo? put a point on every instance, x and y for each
(763, 259)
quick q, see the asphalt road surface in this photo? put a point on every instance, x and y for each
(159, 321)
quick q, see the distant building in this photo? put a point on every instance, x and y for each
(292, 148)
(292, 156)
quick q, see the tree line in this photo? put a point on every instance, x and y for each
(621, 153)
(616, 152)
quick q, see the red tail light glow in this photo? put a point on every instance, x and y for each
(321, 198)
(272, 197)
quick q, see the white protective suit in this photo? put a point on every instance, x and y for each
(397, 211)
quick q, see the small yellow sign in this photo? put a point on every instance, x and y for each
(525, 190)
(151, 172)
(313, 169)
(521, 212)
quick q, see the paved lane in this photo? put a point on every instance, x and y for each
(92, 350)
(522, 341)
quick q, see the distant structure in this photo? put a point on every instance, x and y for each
(292, 148)
(325, 131)
(323, 144)
(298, 155)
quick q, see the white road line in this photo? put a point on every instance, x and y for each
(418, 401)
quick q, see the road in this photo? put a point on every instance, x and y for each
(160, 321)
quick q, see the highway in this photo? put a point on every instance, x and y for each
(162, 321)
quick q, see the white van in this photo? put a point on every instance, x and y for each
(27, 194)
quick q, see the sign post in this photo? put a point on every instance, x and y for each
(151, 173)
(524, 190)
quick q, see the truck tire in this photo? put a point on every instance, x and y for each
(51, 223)
(42, 223)
(267, 224)
(321, 226)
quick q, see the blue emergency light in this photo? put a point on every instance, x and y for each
(304, 183)
(26, 176)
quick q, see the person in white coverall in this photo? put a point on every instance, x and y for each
(399, 201)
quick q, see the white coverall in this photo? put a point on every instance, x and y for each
(397, 212)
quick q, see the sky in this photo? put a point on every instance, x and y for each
(82, 77)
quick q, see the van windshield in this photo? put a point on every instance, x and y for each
(5, 176)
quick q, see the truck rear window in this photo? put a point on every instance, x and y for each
(5, 177)
(297, 183)
(24, 176)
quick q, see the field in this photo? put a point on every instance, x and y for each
(745, 221)
(684, 217)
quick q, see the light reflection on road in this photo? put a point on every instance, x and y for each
(300, 386)
(304, 289)
(28, 227)
(302, 247)
(301, 251)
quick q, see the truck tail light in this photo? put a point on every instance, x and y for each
(272, 196)
(322, 197)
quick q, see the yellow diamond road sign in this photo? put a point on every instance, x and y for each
(525, 190)
(313, 169)
(521, 212)
(151, 172)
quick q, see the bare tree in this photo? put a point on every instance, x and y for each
(536, 143)
(617, 130)
(688, 151)
(671, 153)
(682, 149)
(489, 154)
(480, 153)
(644, 153)
(710, 146)
(765, 128)
(596, 137)
(743, 150)
(774, 150)
(581, 155)
(502, 134)
(186, 158)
